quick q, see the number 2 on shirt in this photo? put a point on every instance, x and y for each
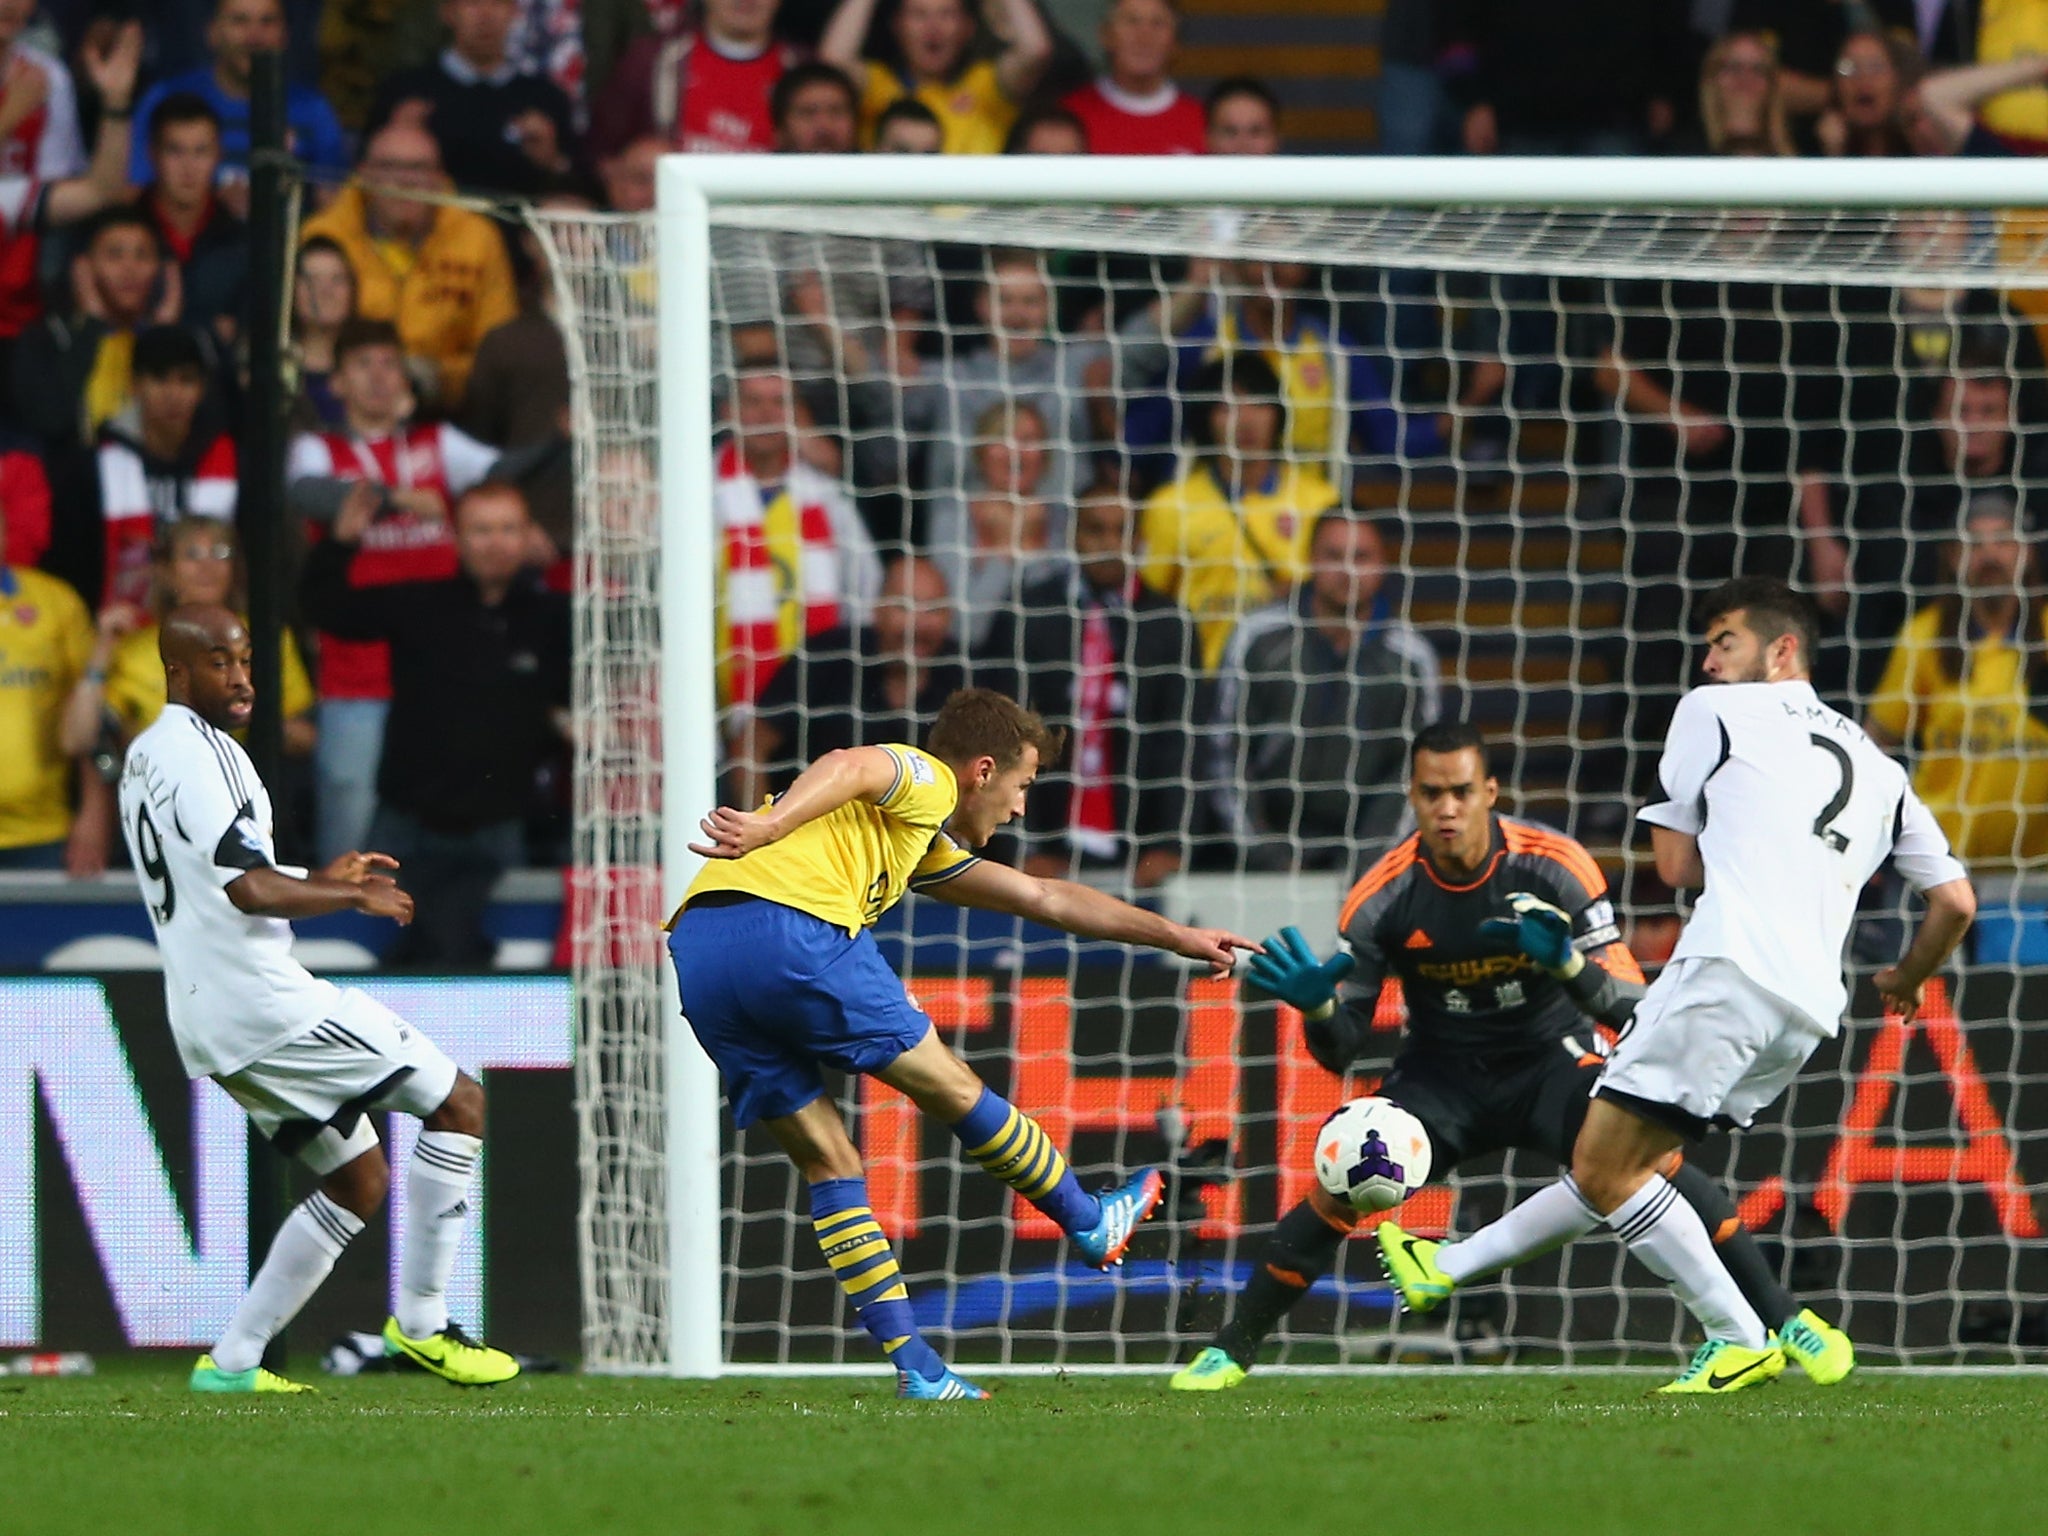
(1828, 812)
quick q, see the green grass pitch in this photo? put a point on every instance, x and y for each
(1359, 1455)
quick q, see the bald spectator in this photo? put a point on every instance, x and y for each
(1134, 108)
(502, 127)
(1243, 118)
(702, 91)
(240, 30)
(479, 681)
(440, 274)
(853, 685)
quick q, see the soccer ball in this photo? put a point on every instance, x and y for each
(1373, 1154)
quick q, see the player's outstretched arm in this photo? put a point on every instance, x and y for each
(838, 778)
(270, 892)
(1093, 914)
(1951, 907)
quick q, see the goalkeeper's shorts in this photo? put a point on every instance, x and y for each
(1532, 1100)
(773, 994)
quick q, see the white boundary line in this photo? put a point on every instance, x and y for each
(773, 1372)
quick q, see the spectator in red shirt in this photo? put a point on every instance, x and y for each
(39, 147)
(44, 181)
(1243, 118)
(207, 241)
(703, 91)
(1134, 108)
(423, 469)
(24, 500)
(159, 461)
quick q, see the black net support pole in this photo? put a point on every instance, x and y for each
(260, 506)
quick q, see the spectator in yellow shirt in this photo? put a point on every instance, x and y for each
(45, 642)
(1232, 533)
(440, 274)
(975, 100)
(121, 692)
(1966, 692)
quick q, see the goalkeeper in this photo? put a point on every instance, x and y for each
(1504, 940)
(780, 977)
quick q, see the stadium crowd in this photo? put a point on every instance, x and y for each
(1163, 502)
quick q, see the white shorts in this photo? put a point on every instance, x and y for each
(1711, 1044)
(309, 1095)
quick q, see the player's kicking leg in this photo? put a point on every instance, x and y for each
(1426, 1273)
(1013, 1148)
(1614, 1180)
(308, 1098)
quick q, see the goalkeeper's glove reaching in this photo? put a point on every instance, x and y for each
(1290, 971)
(1539, 930)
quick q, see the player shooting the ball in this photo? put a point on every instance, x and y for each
(780, 977)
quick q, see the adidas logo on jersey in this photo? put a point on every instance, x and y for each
(1418, 940)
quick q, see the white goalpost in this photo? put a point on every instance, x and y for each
(1543, 527)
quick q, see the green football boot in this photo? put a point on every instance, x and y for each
(1211, 1371)
(208, 1377)
(1722, 1365)
(1410, 1264)
(1818, 1348)
(452, 1355)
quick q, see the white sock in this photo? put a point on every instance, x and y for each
(1668, 1236)
(1552, 1216)
(300, 1257)
(436, 1211)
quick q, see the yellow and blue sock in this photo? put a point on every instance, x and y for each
(866, 1270)
(1013, 1147)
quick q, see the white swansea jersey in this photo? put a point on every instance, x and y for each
(1794, 808)
(197, 819)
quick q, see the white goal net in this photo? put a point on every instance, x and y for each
(1242, 489)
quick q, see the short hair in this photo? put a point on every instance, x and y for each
(181, 107)
(2002, 505)
(1773, 610)
(801, 77)
(1038, 117)
(121, 216)
(1239, 85)
(1233, 373)
(998, 420)
(162, 350)
(1386, 529)
(1448, 736)
(358, 332)
(907, 109)
(979, 722)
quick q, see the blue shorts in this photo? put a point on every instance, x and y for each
(773, 993)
